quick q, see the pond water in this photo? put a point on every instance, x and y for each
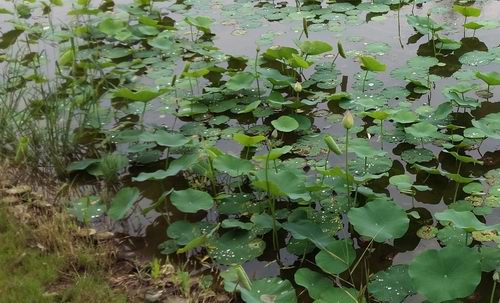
(241, 30)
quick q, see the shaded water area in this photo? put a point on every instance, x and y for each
(409, 91)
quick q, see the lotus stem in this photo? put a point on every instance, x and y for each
(271, 203)
(457, 184)
(364, 80)
(492, 297)
(347, 165)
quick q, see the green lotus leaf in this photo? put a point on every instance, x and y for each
(248, 140)
(490, 258)
(374, 7)
(473, 25)
(236, 247)
(87, 208)
(250, 107)
(165, 138)
(202, 23)
(474, 188)
(374, 165)
(363, 149)
(315, 283)
(280, 52)
(285, 124)
(306, 229)
(111, 26)
(404, 116)
(241, 80)
(300, 247)
(183, 232)
(453, 236)
(82, 164)
(163, 41)
(232, 223)
(465, 220)
(417, 155)
(463, 158)
(336, 257)
(275, 153)
(489, 125)
(392, 285)
(174, 168)
(191, 200)
(124, 199)
(477, 58)
(402, 182)
(287, 181)
(422, 130)
(380, 219)
(423, 24)
(440, 274)
(232, 166)
(372, 64)
(467, 11)
(139, 96)
(315, 47)
(269, 290)
(492, 78)
(339, 295)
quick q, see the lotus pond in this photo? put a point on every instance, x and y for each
(297, 151)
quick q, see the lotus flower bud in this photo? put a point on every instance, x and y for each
(332, 145)
(297, 87)
(348, 120)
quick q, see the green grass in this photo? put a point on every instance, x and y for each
(29, 275)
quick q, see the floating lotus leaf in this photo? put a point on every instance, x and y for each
(422, 130)
(300, 247)
(374, 165)
(232, 223)
(191, 200)
(143, 95)
(453, 236)
(374, 7)
(164, 138)
(87, 208)
(417, 155)
(490, 258)
(380, 219)
(236, 247)
(285, 124)
(477, 58)
(315, 283)
(392, 285)
(440, 274)
(241, 80)
(111, 26)
(269, 290)
(336, 257)
(339, 295)
(183, 232)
